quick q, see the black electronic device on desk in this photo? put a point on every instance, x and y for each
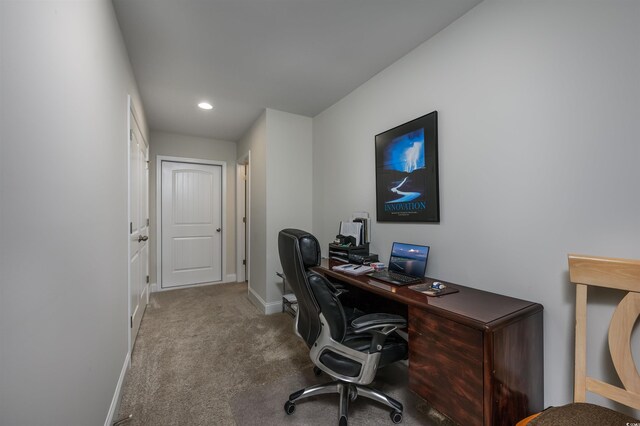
(363, 259)
(343, 253)
(407, 265)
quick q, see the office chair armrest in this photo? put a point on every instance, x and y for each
(380, 326)
(378, 322)
(335, 288)
(340, 289)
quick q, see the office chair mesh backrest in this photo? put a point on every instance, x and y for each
(300, 251)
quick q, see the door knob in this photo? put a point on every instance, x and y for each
(141, 238)
(218, 229)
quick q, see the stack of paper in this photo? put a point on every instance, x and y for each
(352, 229)
(363, 217)
(353, 269)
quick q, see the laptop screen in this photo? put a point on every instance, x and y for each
(409, 259)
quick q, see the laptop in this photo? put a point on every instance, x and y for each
(407, 265)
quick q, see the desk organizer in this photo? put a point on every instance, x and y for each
(341, 253)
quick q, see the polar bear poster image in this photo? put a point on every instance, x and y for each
(407, 172)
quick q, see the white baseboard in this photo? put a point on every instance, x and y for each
(115, 402)
(153, 288)
(262, 305)
(273, 308)
(256, 300)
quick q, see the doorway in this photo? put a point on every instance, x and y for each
(191, 211)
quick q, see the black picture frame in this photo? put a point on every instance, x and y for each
(407, 172)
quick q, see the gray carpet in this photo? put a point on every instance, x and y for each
(206, 356)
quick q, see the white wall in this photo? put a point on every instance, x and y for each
(538, 107)
(281, 182)
(255, 141)
(172, 145)
(289, 183)
(64, 82)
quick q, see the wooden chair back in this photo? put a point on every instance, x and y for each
(620, 274)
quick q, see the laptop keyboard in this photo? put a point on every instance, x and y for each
(396, 277)
(402, 278)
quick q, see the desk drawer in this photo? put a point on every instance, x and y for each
(445, 368)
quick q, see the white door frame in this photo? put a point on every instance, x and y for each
(159, 160)
(241, 250)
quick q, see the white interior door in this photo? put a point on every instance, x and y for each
(191, 223)
(138, 228)
(242, 221)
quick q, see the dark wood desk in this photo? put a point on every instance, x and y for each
(474, 356)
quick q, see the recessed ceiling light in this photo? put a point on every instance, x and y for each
(205, 105)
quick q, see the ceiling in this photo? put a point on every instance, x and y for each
(297, 56)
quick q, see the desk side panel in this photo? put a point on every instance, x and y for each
(446, 365)
(518, 376)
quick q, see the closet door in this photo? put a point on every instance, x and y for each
(138, 228)
(191, 223)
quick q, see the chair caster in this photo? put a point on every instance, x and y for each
(353, 393)
(317, 371)
(396, 416)
(289, 407)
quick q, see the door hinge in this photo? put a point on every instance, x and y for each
(130, 134)
(130, 227)
(244, 220)
(244, 261)
(147, 221)
(147, 279)
(131, 321)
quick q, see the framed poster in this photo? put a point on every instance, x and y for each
(407, 172)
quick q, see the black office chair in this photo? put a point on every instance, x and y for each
(349, 353)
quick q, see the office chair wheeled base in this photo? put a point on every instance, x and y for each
(347, 391)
